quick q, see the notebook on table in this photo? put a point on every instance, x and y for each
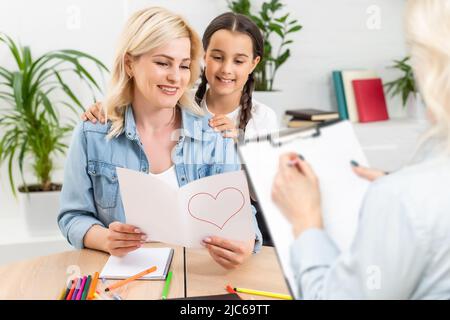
(137, 261)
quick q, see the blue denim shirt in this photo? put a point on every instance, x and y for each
(90, 190)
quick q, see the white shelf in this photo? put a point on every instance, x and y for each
(17, 244)
(15, 232)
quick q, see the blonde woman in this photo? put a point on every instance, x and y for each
(402, 247)
(153, 126)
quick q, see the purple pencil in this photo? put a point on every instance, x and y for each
(77, 287)
(80, 291)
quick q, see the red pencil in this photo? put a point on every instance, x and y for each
(69, 296)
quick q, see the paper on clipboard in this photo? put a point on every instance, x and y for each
(329, 153)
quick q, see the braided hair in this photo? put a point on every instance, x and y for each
(235, 22)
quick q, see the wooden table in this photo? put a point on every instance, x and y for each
(44, 277)
(260, 272)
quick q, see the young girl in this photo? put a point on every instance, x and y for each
(157, 61)
(233, 47)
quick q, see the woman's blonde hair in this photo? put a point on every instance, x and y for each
(144, 31)
(428, 35)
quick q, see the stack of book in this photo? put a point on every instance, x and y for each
(360, 96)
(308, 117)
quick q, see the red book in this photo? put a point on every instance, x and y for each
(370, 100)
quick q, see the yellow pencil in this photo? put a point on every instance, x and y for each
(264, 293)
(63, 294)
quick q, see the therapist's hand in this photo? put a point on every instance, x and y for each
(123, 238)
(228, 253)
(296, 192)
(94, 113)
(367, 173)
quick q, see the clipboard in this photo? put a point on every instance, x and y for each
(328, 147)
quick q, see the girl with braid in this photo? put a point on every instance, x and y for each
(233, 47)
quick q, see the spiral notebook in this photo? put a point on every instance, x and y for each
(137, 261)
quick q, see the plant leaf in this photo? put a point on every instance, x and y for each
(282, 58)
(68, 91)
(85, 55)
(48, 106)
(17, 87)
(294, 29)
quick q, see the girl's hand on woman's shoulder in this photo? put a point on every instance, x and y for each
(221, 123)
(94, 113)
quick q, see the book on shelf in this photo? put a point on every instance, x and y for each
(293, 123)
(347, 77)
(312, 114)
(340, 94)
(370, 100)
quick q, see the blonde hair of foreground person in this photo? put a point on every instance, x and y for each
(428, 35)
(144, 31)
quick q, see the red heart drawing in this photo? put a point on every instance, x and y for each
(202, 194)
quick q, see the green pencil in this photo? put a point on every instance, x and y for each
(166, 286)
(86, 288)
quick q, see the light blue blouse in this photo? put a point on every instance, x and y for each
(402, 246)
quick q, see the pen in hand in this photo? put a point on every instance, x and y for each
(294, 162)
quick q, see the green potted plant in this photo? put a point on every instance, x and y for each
(31, 131)
(276, 29)
(405, 87)
(273, 26)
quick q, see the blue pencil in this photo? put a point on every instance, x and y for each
(77, 287)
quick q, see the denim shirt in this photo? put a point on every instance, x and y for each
(90, 190)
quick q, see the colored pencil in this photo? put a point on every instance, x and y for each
(264, 293)
(230, 289)
(66, 291)
(80, 291)
(72, 289)
(86, 288)
(77, 287)
(93, 287)
(136, 276)
(62, 294)
(166, 286)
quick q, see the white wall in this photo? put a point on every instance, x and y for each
(335, 35)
